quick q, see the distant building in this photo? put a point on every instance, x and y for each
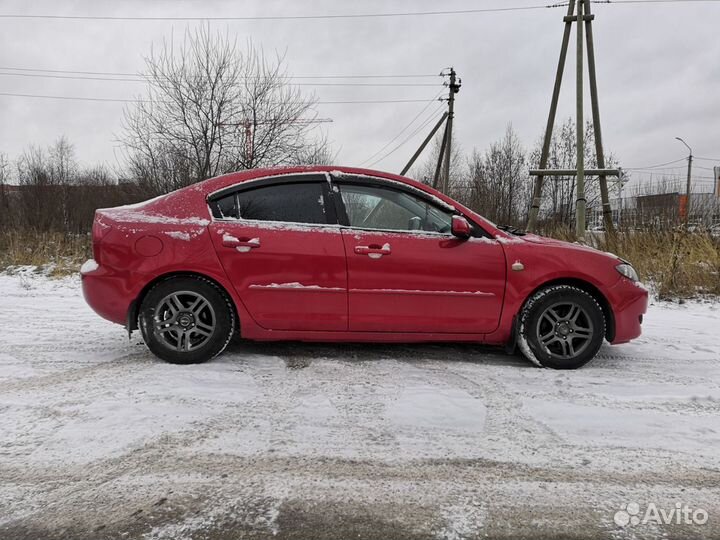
(662, 210)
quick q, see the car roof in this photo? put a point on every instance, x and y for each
(227, 180)
(190, 203)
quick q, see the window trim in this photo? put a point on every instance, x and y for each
(278, 178)
(331, 217)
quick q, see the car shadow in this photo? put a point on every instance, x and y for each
(298, 355)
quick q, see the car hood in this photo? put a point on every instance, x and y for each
(535, 239)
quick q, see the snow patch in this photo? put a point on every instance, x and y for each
(463, 520)
(89, 266)
(623, 427)
(178, 235)
(444, 409)
(78, 397)
(293, 285)
(424, 292)
(524, 347)
(482, 240)
(144, 217)
(506, 240)
(135, 206)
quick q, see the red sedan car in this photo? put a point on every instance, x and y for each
(344, 254)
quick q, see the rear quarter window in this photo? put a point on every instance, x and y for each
(225, 208)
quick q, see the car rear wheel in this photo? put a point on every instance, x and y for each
(561, 327)
(186, 320)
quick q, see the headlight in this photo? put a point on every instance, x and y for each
(628, 271)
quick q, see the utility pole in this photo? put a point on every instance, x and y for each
(580, 131)
(454, 89)
(249, 142)
(599, 151)
(443, 162)
(621, 202)
(440, 160)
(583, 18)
(688, 189)
(547, 139)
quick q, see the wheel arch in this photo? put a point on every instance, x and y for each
(589, 288)
(133, 309)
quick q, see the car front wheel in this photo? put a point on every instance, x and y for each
(186, 320)
(561, 327)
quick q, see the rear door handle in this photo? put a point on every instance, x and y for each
(374, 251)
(243, 245)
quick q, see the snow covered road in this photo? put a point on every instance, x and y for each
(98, 439)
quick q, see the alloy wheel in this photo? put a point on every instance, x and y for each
(564, 330)
(184, 321)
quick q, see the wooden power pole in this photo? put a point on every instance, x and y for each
(444, 158)
(582, 15)
(409, 164)
(580, 131)
(454, 89)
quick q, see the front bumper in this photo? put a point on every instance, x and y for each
(629, 301)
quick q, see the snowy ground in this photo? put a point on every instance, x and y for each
(100, 440)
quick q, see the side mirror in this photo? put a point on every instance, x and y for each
(460, 227)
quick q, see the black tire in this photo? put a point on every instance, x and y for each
(561, 327)
(186, 320)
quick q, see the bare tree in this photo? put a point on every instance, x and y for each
(5, 217)
(57, 195)
(44, 176)
(317, 152)
(498, 180)
(212, 108)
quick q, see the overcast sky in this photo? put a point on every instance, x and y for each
(658, 71)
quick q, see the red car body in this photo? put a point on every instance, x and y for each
(338, 283)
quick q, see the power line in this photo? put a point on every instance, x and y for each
(415, 132)
(74, 98)
(655, 166)
(707, 158)
(143, 75)
(327, 15)
(374, 101)
(425, 108)
(659, 170)
(277, 17)
(651, 1)
(660, 177)
(147, 79)
(120, 100)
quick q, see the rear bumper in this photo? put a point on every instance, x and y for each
(629, 303)
(106, 293)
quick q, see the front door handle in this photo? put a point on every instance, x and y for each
(374, 251)
(243, 245)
